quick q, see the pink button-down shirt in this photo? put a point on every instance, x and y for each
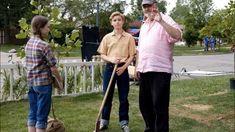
(156, 47)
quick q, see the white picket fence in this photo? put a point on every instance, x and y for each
(72, 71)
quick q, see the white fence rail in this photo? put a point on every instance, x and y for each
(79, 78)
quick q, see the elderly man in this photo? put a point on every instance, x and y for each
(155, 66)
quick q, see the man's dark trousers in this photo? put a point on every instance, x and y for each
(154, 99)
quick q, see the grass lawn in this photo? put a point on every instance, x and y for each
(178, 50)
(7, 47)
(198, 50)
(76, 52)
(198, 105)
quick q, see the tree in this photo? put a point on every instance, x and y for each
(70, 40)
(85, 12)
(180, 12)
(201, 10)
(221, 24)
(12, 10)
(194, 16)
(162, 6)
(137, 11)
(214, 25)
(104, 15)
(229, 22)
(229, 31)
(136, 8)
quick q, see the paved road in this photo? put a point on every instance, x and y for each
(223, 63)
(211, 63)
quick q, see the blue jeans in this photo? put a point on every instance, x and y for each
(39, 105)
(123, 90)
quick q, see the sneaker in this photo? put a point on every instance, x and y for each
(103, 124)
(103, 127)
(125, 128)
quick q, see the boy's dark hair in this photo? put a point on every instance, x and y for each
(37, 23)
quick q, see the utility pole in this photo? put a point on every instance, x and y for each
(97, 12)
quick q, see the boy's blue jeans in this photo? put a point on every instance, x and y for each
(39, 105)
(123, 90)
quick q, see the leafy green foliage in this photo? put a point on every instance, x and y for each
(80, 79)
(25, 29)
(6, 84)
(180, 12)
(193, 15)
(201, 10)
(191, 37)
(221, 24)
(88, 83)
(229, 22)
(19, 84)
(137, 8)
(98, 74)
(162, 6)
(85, 12)
(12, 10)
(71, 40)
(214, 25)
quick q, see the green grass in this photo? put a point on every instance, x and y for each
(7, 47)
(75, 52)
(79, 113)
(198, 50)
(178, 50)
